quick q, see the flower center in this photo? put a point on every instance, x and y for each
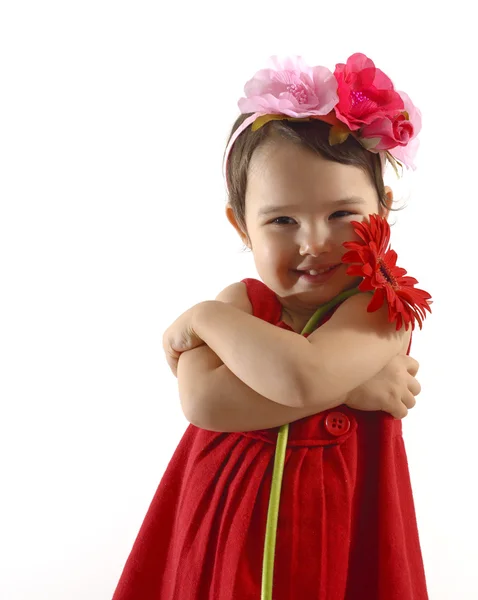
(358, 97)
(299, 91)
(386, 274)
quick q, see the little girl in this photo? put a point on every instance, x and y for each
(292, 480)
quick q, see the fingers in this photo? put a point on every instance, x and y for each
(173, 365)
(171, 352)
(414, 386)
(409, 400)
(400, 375)
(172, 358)
(400, 404)
(399, 411)
(412, 365)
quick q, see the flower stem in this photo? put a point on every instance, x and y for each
(279, 459)
(324, 309)
(273, 514)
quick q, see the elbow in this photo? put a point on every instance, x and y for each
(186, 407)
(191, 409)
(315, 389)
(189, 400)
(197, 412)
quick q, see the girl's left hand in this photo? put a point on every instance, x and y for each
(180, 337)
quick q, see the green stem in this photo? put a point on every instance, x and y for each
(279, 459)
(273, 514)
(325, 308)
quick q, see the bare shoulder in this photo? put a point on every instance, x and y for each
(236, 294)
(348, 350)
(352, 319)
(406, 340)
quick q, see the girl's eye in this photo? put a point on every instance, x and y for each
(290, 221)
(277, 221)
(342, 213)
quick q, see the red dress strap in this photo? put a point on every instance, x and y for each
(265, 304)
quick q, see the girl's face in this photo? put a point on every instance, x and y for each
(299, 209)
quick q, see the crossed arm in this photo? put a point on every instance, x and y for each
(213, 398)
(251, 375)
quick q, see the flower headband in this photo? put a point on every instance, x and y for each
(357, 99)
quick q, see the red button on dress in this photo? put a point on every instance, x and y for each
(337, 423)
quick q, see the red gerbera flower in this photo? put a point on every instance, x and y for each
(377, 266)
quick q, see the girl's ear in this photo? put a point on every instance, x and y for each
(389, 201)
(231, 217)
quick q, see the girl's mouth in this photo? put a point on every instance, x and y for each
(314, 276)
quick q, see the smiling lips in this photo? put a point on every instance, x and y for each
(320, 275)
(316, 269)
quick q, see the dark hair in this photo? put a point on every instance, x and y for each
(312, 134)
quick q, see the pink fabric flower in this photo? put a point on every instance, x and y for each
(365, 93)
(290, 88)
(406, 154)
(386, 133)
(357, 99)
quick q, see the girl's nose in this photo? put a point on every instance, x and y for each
(315, 243)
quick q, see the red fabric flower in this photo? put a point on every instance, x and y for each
(377, 266)
(365, 93)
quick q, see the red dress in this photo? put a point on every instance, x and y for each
(346, 531)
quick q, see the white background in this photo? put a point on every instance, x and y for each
(114, 117)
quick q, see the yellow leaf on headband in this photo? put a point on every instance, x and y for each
(369, 143)
(263, 119)
(338, 134)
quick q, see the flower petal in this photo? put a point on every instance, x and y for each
(376, 301)
(376, 262)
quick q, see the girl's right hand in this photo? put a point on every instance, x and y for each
(392, 390)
